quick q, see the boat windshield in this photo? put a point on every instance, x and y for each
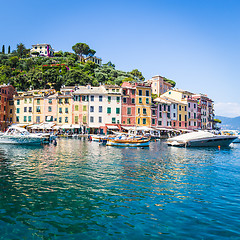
(17, 131)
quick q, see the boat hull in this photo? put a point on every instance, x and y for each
(126, 143)
(205, 142)
(20, 140)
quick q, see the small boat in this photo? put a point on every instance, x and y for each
(201, 139)
(18, 135)
(129, 142)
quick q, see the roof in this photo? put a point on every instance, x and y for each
(89, 90)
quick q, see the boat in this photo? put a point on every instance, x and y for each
(232, 133)
(18, 135)
(129, 142)
(201, 139)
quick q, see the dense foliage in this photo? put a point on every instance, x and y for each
(24, 72)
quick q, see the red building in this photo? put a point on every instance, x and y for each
(6, 105)
(128, 104)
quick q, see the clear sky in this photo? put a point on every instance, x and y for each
(194, 42)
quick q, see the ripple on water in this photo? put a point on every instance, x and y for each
(81, 189)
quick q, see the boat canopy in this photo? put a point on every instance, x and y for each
(112, 127)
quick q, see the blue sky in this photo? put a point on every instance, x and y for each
(194, 42)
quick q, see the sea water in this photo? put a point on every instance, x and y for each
(84, 190)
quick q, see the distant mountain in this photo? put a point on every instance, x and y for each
(229, 123)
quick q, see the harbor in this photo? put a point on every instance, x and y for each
(80, 189)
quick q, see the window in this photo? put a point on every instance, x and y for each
(66, 110)
(60, 110)
(25, 109)
(168, 115)
(153, 121)
(113, 120)
(91, 108)
(49, 109)
(10, 119)
(38, 101)
(179, 107)
(159, 123)
(18, 101)
(17, 119)
(117, 90)
(29, 118)
(189, 123)
(10, 110)
(144, 111)
(108, 110)
(25, 100)
(133, 100)
(144, 121)
(84, 119)
(113, 90)
(60, 119)
(195, 116)
(100, 98)
(147, 100)
(160, 114)
(50, 101)
(128, 121)
(117, 110)
(76, 119)
(133, 92)
(124, 100)
(38, 109)
(25, 118)
(174, 115)
(30, 109)
(194, 124)
(138, 110)
(100, 109)
(84, 108)
(180, 124)
(180, 117)
(92, 98)
(66, 119)
(174, 106)
(153, 112)
(160, 107)
(140, 92)
(66, 100)
(129, 112)
(169, 108)
(194, 105)
(109, 98)
(185, 118)
(99, 119)
(118, 99)
(185, 108)
(38, 119)
(91, 119)
(60, 101)
(189, 115)
(140, 100)
(139, 121)
(189, 105)
(76, 107)
(147, 93)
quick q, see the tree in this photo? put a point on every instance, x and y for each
(169, 81)
(3, 49)
(21, 50)
(83, 49)
(137, 74)
(9, 49)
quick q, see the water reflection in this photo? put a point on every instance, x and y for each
(85, 190)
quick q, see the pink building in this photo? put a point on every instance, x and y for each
(158, 85)
(50, 108)
(128, 104)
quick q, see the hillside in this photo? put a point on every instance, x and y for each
(229, 123)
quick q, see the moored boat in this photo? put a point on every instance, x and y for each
(129, 142)
(201, 139)
(18, 135)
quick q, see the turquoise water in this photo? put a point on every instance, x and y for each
(83, 190)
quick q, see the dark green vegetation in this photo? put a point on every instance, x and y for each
(23, 71)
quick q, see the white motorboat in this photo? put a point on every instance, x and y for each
(18, 135)
(201, 139)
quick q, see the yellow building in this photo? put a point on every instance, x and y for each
(38, 109)
(143, 104)
(64, 110)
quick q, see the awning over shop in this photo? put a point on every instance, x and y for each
(145, 129)
(128, 128)
(112, 127)
(66, 126)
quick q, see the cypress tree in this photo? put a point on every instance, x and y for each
(9, 49)
(3, 49)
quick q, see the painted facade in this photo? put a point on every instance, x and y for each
(158, 85)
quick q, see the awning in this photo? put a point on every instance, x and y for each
(144, 128)
(66, 126)
(128, 128)
(112, 127)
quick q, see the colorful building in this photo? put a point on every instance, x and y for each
(143, 104)
(128, 104)
(42, 50)
(159, 85)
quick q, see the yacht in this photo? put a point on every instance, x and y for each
(18, 135)
(232, 133)
(201, 139)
